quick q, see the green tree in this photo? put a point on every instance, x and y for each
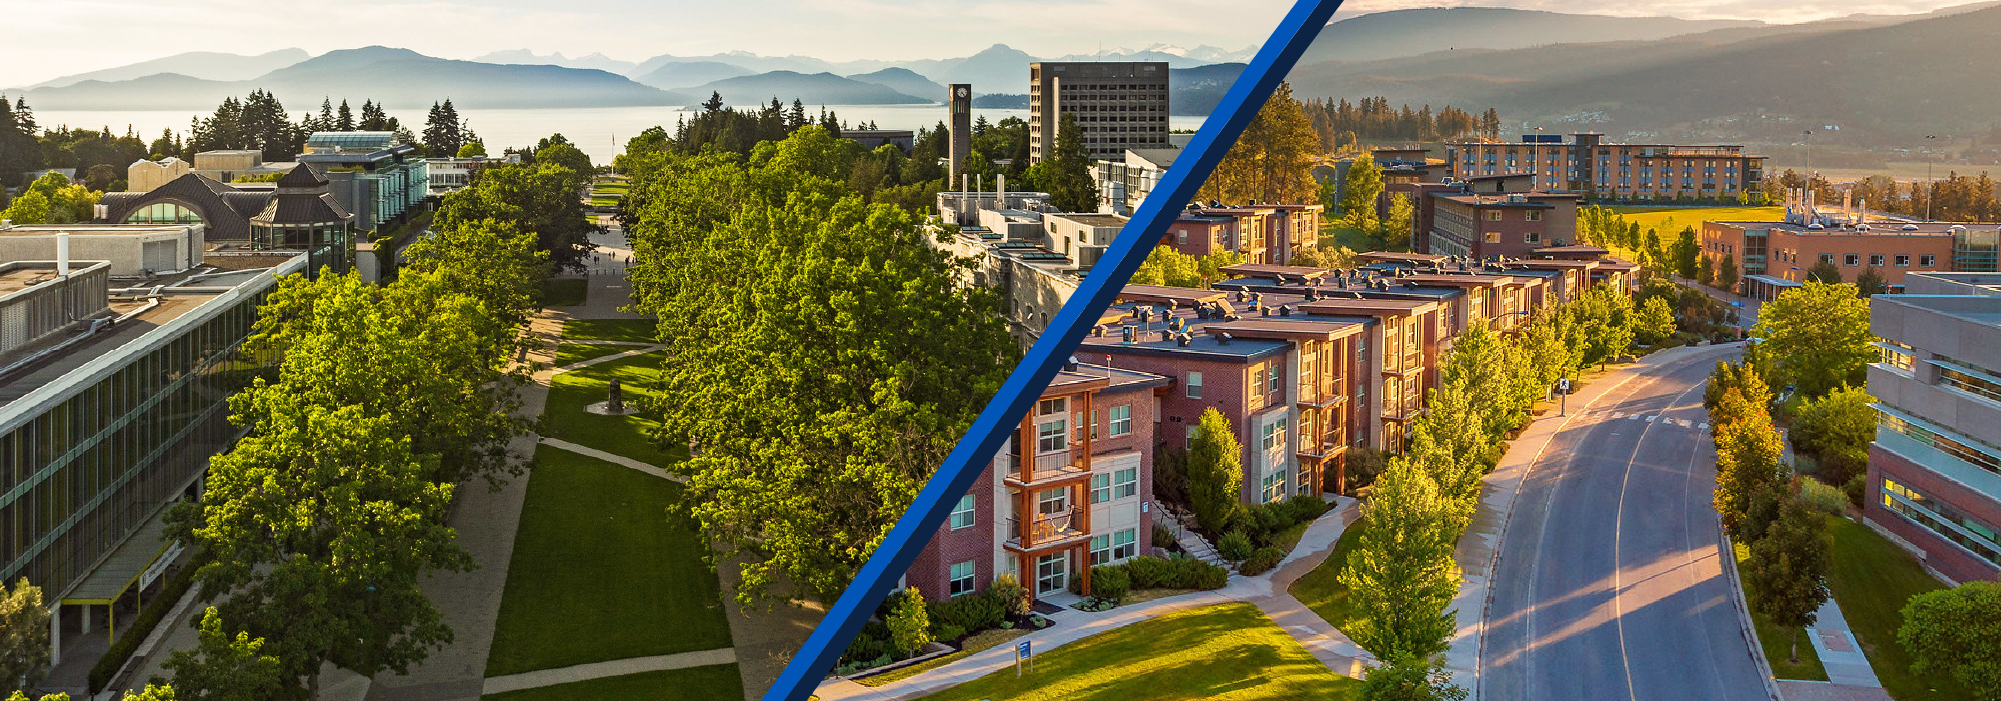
(1951, 632)
(1726, 273)
(1836, 430)
(30, 208)
(1705, 273)
(1824, 271)
(1210, 268)
(566, 156)
(1786, 575)
(1273, 161)
(324, 524)
(472, 150)
(1685, 254)
(1871, 283)
(1215, 472)
(153, 692)
(1401, 575)
(1655, 322)
(1359, 193)
(1065, 173)
(24, 636)
(1393, 232)
(543, 198)
(1326, 257)
(1408, 679)
(223, 667)
(909, 627)
(1818, 335)
(1747, 459)
(1167, 266)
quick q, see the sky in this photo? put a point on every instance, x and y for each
(52, 38)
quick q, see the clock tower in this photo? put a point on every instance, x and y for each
(961, 147)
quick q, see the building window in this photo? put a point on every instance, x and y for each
(962, 578)
(1493, 237)
(1493, 215)
(1122, 420)
(1826, 257)
(1272, 488)
(1052, 573)
(1943, 520)
(1875, 259)
(1903, 259)
(1851, 259)
(1272, 377)
(1190, 439)
(1125, 483)
(962, 515)
(1194, 385)
(1532, 238)
(1101, 550)
(1125, 544)
(1274, 434)
(1534, 215)
(1927, 260)
(1050, 436)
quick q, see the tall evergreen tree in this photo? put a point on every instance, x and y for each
(345, 120)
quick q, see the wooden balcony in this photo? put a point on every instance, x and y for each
(1047, 531)
(1317, 399)
(1049, 468)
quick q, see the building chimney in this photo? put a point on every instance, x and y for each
(62, 253)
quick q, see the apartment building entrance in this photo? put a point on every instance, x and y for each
(1052, 573)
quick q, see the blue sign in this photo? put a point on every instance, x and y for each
(1021, 650)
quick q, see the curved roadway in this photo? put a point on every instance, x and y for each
(1609, 585)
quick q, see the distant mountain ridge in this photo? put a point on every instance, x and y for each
(206, 65)
(810, 88)
(1400, 33)
(596, 61)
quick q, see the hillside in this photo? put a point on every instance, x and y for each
(397, 78)
(814, 89)
(1198, 90)
(681, 75)
(904, 81)
(1865, 74)
(1400, 33)
(597, 61)
(206, 65)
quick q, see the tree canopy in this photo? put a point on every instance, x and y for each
(1819, 336)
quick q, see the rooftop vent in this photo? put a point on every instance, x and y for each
(1183, 340)
(1070, 365)
(1224, 338)
(1127, 332)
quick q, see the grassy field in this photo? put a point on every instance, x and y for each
(1321, 589)
(565, 292)
(1778, 643)
(600, 574)
(627, 330)
(716, 683)
(1221, 652)
(1872, 578)
(1671, 220)
(570, 392)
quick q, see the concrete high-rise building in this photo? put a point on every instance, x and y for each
(1118, 105)
(961, 143)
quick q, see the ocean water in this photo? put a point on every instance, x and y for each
(600, 132)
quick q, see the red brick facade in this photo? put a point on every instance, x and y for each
(1937, 553)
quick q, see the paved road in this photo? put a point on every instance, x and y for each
(1609, 585)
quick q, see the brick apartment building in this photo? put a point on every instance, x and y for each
(1263, 234)
(1514, 225)
(1935, 467)
(1067, 492)
(1589, 166)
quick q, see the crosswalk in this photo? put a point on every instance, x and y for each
(1648, 418)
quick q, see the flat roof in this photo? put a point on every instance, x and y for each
(1368, 307)
(1290, 328)
(1263, 270)
(1979, 309)
(47, 370)
(1876, 228)
(1156, 294)
(1091, 219)
(95, 229)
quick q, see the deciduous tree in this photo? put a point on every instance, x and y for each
(1786, 575)
(1401, 575)
(1215, 472)
(1952, 632)
(24, 636)
(1818, 334)
(224, 667)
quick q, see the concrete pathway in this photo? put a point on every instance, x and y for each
(1795, 690)
(613, 668)
(614, 458)
(1839, 652)
(572, 367)
(1266, 591)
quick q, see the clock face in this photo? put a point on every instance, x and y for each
(964, 92)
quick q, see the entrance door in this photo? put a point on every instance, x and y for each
(1052, 573)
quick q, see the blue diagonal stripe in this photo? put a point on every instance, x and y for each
(976, 450)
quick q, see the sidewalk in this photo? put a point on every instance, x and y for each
(1839, 652)
(1266, 591)
(1479, 546)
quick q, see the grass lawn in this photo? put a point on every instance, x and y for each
(1776, 642)
(565, 292)
(600, 574)
(568, 353)
(1671, 220)
(1872, 578)
(1288, 539)
(715, 683)
(1220, 652)
(1348, 236)
(565, 418)
(626, 330)
(978, 643)
(1322, 590)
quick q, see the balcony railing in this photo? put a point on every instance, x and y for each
(1046, 528)
(1049, 466)
(1331, 443)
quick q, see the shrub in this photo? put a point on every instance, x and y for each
(909, 628)
(1095, 605)
(1235, 546)
(1824, 498)
(1148, 572)
(1306, 507)
(1110, 582)
(870, 644)
(1163, 536)
(1261, 561)
(970, 613)
(1190, 573)
(1262, 520)
(1857, 489)
(946, 631)
(1013, 596)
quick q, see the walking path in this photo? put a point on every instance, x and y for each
(1839, 652)
(613, 668)
(605, 358)
(614, 459)
(1267, 592)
